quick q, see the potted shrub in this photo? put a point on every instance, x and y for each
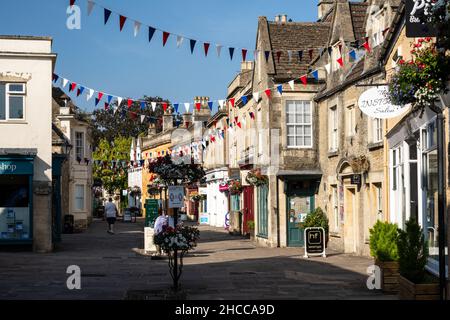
(317, 218)
(251, 228)
(383, 247)
(414, 282)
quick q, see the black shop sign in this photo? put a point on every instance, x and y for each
(418, 13)
(315, 242)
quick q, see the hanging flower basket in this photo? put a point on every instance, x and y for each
(420, 80)
(235, 187)
(198, 197)
(97, 191)
(256, 178)
(134, 191)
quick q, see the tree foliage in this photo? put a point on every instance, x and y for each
(383, 241)
(110, 171)
(176, 172)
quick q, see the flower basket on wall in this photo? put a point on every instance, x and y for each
(134, 191)
(256, 178)
(235, 187)
(198, 197)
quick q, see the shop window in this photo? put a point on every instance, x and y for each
(79, 145)
(79, 197)
(15, 219)
(12, 101)
(299, 124)
(333, 129)
(376, 130)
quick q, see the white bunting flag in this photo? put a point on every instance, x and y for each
(153, 106)
(256, 96)
(187, 105)
(179, 41)
(291, 84)
(221, 103)
(119, 101)
(244, 120)
(219, 49)
(89, 94)
(115, 109)
(204, 143)
(290, 55)
(137, 27)
(90, 6)
(142, 118)
(64, 82)
(328, 68)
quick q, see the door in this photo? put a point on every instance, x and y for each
(349, 220)
(248, 211)
(298, 207)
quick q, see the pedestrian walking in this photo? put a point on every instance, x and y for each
(111, 212)
(160, 222)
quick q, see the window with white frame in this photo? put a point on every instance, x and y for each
(378, 200)
(377, 130)
(79, 145)
(350, 120)
(299, 123)
(79, 197)
(12, 101)
(333, 129)
(378, 25)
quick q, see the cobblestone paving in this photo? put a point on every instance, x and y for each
(221, 267)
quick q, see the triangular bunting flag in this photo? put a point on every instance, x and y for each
(119, 101)
(106, 106)
(315, 74)
(142, 118)
(340, 61)
(232, 101)
(80, 91)
(192, 42)
(187, 106)
(366, 45)
(129, 103)
(352, 54)
(303, 79)
(107, 14)
(244, 54)
(210, 105)
(218, 49)
(109, 99)
(175, 106)
(151, 32)
(90, 94)
(328, 68)
(292, 84)
(72, 2)
(142, 105)
(280, 88)
(153, 103)
(198, 105)
(330, 50)
(122, 20)
(90, 7)
(137, 27)
(72, 87)
(55, 77)
(179, 41)
(206, 48)
(231, 53)
(165, 37)
(244, 100)
(252, 115)
(96, 101)
(164, 104)
(267, 54)
(239, 124)
(268, 92)
(221, 103)
(256, 96)
(64, 82)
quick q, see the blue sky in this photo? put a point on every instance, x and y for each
(103, 58)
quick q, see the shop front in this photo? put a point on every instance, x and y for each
(16, 200)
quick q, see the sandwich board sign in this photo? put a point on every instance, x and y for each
(315, 242)
(176, 196)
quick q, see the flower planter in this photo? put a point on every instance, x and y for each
(390, 275)
(412, 291)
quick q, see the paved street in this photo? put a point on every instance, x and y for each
(222, 267)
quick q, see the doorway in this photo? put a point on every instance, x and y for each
(298, 206)
(248, 211)
(350, 220)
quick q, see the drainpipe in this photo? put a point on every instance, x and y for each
(278, 213)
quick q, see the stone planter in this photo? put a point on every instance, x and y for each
(412, 291)
(389, 276)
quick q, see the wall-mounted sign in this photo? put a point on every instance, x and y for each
(315, 242)
(375, 103)
(355, 179)
(223, 187)
(417, 15)
(16, 167)
(176, 196)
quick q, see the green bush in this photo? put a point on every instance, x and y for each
(412, 252)
(383, 241)
(251, 224)
(316, 218)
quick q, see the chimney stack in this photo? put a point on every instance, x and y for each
(204, 113)
(277, 18)
(323, 7)
(167, 119)
(284, 18)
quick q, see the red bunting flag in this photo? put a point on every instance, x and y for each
(198, 105)
(232, 102)
(165, 37)
(340, 61)
(72, 2)
(78, 92)
(236, 119)
(303, 79)
(106, 106)
(279, 55)
(73, 86)
(268, 91)
(340, 48)
(129, 103)
(206, 47)
(122, 20)
(100, 95)
(252, 115)
(239, 124)
(366, 44)
(244, 54)
(164, 104)
(212, 138)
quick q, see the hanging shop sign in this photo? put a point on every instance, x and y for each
(418, 13)
(314, 242)
(176, 196)
(375, 103)
(355, 179)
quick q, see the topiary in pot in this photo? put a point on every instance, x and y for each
(317, 218)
